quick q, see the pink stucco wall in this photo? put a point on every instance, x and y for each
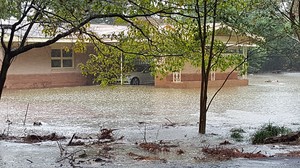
(33, 70)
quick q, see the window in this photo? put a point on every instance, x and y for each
(60, 58)
(177, 76)
(213, 75)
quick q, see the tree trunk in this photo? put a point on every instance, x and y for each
(3, 72)
(202, 124)
(203, 104)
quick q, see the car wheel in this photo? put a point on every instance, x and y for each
(135, 81)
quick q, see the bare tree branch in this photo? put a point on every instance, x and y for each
(219, 53)
(24, 38)
(76, 28)
(211, 55)
(13, 28)
(223, 84)
(2, 40)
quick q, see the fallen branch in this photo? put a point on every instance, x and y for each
(286, 139)
(38, 138)
(70, 156)
(77, 143)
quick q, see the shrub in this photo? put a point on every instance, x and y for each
(237, 134)
(267, 131)
(239, 130)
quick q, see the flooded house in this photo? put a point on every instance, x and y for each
(56, 66)
(51, 66)
(190, 76)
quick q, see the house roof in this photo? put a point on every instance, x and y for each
(36, 34)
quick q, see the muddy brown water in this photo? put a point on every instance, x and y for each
(271, 98)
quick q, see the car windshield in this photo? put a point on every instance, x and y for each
(142, 68)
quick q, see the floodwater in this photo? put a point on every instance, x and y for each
(269, 98)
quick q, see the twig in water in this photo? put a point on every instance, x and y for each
(145, 134)
(254, 149)
(172, 124)
(157, 133)
(70, 142)
(8, 126)
(61, 149)
(29, 161)
(169, 120)
(70, 156)
(26, 114)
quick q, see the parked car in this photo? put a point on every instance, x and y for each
(140, 77)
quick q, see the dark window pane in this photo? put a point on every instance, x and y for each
(55, 53)
(67, 53)
(67, 63)
(55, 63)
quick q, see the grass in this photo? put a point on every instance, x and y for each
(267, 131)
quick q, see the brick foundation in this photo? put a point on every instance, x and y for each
(194, 81)
(46, 80)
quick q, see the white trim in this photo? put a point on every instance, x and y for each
(177, 77)
(213, 75)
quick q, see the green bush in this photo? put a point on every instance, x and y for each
(239, 130)
(267, 131)
(237, 136)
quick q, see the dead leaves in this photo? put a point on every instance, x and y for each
(38, 138)
(290, 154)
(31, 138)
(180, 152)
(225, 143)
(221, 153)
(149, 158)
(106, 134)
(153, 147)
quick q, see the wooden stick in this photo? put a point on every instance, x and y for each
(26, 114)
(70, 142)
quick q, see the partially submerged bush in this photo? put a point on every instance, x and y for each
(237, 134)
(267, 131)
(239, 130)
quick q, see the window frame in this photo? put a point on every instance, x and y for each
(176, 77)
(61, 58)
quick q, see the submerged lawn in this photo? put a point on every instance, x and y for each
(142, 113)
